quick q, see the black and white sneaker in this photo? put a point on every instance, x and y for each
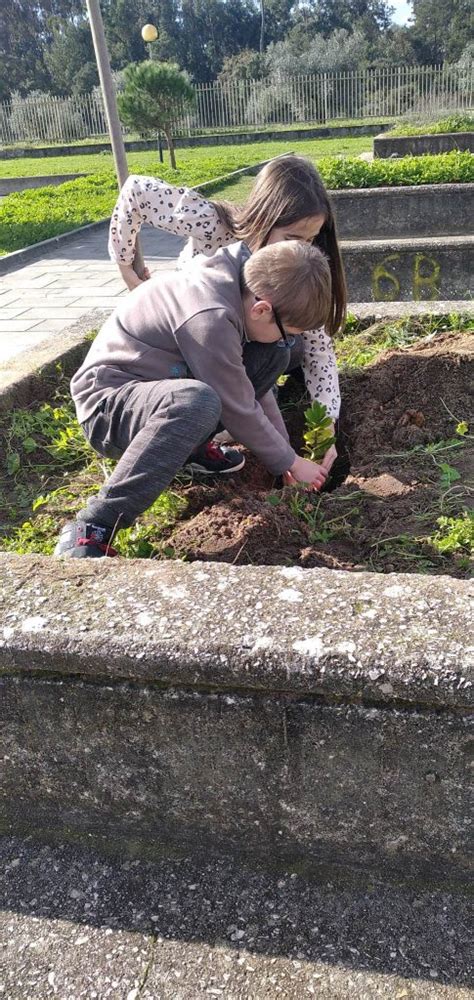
(211, 459)
(79, 540)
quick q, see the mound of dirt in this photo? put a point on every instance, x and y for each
(240, 530)
(408, 397)
(378, 515)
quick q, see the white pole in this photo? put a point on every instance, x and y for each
(110, 105)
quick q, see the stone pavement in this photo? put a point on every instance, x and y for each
(77, 926)
(42, 298)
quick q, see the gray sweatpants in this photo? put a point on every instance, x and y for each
(152, 428)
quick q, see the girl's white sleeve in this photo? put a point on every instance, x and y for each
(320, 370)
(178, 210)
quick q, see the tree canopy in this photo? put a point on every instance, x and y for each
(153, 97)
(46, 45)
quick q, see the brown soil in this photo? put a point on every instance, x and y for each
(382, 501)
(388, 502)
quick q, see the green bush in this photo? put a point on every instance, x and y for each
(444, 168)
(449, 123)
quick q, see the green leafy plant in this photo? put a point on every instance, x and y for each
(449, 474)
(454, 534)
(319, 435)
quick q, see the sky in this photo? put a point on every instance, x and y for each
(402, 12)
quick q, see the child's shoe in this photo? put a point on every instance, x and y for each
(210, 460)
(79, 540)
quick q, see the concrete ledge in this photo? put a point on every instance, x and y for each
(216, 139)
(9, 185)
(419, 145)
(418, 269)
(397, 310)
(23, 379)
(301, 715)
(12, 261)
(415, 211)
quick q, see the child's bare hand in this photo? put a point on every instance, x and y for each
(131, 277)
(329, 458)
(304, 471)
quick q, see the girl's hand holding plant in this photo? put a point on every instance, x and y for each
(330, 457)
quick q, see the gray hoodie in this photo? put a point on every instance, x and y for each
(187, 324)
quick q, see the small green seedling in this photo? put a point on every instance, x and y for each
(318, 435)
(449, 474)
(454, 534)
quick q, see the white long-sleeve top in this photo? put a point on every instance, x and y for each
(183, 212)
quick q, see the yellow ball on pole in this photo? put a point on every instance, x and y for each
(149, 33)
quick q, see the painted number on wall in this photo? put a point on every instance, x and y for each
(425, 276)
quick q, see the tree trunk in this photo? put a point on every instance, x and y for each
(262, 25)
(169, 139)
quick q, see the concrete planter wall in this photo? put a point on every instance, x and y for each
(397, 212)
(8, 185)
(305, 732)
(222, 139)
(404, 269)
(418, 145)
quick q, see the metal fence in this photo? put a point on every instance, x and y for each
(320, 98)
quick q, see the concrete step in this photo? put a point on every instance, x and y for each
(409, 269)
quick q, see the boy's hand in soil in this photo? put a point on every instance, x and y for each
(130, 276)
(304, 471)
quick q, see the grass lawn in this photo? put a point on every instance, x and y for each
(30, 216)
(194, 164)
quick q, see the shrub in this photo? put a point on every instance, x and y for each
(444, 168)
(460, 122)
(44, 117)
(271, 105)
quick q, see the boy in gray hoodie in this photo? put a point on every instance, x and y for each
(179, 355)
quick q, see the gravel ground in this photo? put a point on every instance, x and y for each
(76, 925)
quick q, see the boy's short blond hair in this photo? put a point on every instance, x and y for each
(295, 277)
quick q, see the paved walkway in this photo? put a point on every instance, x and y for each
(76, 926)
(41, 299)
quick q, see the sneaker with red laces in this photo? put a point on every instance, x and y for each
(80, 540)
(211, 459)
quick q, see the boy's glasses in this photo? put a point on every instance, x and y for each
(287, 339)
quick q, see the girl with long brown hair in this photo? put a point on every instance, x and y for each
(287, 201)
